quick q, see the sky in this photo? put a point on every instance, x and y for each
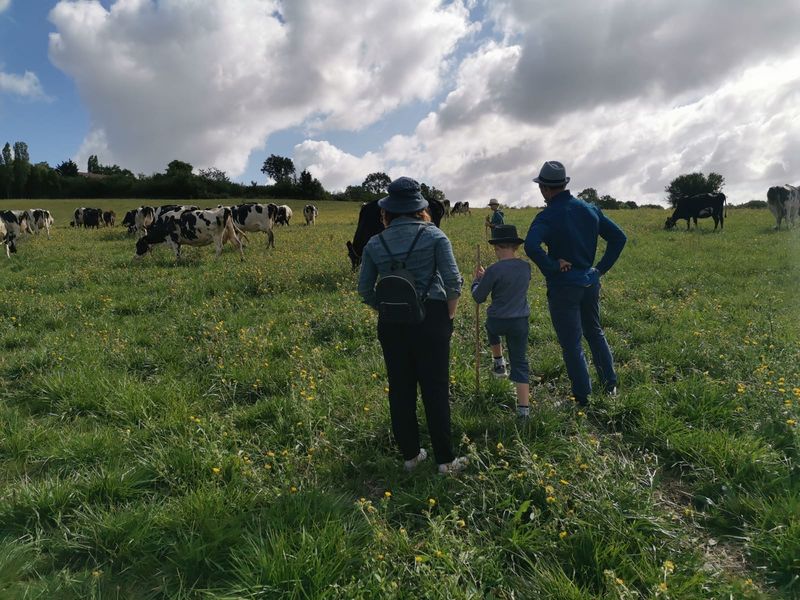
(470, 96)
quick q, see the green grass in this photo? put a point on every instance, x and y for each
(211, 429)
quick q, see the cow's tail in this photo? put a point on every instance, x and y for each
(230, 229)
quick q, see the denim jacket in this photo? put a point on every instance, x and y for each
(432, 243)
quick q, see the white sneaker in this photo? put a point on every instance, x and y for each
(458, 464)
(410, 465)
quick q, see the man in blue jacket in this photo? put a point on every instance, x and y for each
(569, 227)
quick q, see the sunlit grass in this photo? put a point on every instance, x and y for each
(215, 429)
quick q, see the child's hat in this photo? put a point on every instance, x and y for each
(505, 234)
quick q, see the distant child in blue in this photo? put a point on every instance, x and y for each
(507, 281)
(497, 217)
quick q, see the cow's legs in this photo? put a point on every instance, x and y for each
(270, 239)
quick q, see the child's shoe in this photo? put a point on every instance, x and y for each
(523, 412)
(499, 368)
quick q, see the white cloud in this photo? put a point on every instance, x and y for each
(26, 85)
(4, 5)
(333, 167)
(747, 129)
(208, 82)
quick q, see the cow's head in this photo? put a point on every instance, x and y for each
(670, 223)
(142, 247)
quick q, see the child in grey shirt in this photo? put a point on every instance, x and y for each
(507, 281)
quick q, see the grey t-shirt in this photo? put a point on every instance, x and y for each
(507, 281)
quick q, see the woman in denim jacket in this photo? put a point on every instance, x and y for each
(416, 353)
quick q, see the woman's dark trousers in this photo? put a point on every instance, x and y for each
(420, 354)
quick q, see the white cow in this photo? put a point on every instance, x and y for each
(23, 220)
(284, 215)
(191, 228)
(310, 213)
(39, 219)
(784, 202)
(11, 228)
(255, 217)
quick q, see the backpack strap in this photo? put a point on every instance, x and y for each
(411, 248)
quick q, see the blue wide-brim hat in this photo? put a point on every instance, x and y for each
(404, 197)
(552, 174)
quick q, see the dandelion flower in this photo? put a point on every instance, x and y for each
(431, 502)
(669, 566)
(562, 535)
(791, 422)
(215, 470)
(461, 523)
(662, 587)
(550, 499)
(387, 494)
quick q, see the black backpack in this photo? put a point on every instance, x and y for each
(396, 292)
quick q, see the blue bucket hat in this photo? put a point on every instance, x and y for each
(552, 174)
(404, 197)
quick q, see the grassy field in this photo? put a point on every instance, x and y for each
(211, 429)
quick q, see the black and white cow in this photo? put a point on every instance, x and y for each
(284, 215)
(109, 218)
(24, 221)
(310, 213)
(190, 228)
(129, 220)
(87, 217)
(143, 218)
(256, 217)
(460, 208)
(12, 227)
(370, 223)
(39, 219)
(784, 202)
(3, 233)
(699, 206)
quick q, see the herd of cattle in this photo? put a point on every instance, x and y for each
(177, 225)
(172, 224)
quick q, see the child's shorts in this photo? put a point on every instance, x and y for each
(516, 333)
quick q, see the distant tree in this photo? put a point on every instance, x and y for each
(278, 168)
(67, 169)
(178, 167)
(753, 204)
(93, 166)
(21, 169)
(214, 174)
(376, 183)
(431, 193)
(6, 172)
(43, 182)
(691, 184)
(309, 187)
(630, 204)
(607, 202)
(589, 195)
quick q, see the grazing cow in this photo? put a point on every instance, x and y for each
(192, 228)
(699, 206)
(92, 217)
(129, 220)
(109, 218)
(784, 202)
(284, 215)
(3, 233)
(160, 210)
(256, 217)
(12, 226)
(143, 218)
(461, 208)
(370, 223)
(446, 206)
(24, 221)
(39, 219)
(310, 213)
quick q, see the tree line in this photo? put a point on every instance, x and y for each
(20, 178)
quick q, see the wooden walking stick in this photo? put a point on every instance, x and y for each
(477, 331)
